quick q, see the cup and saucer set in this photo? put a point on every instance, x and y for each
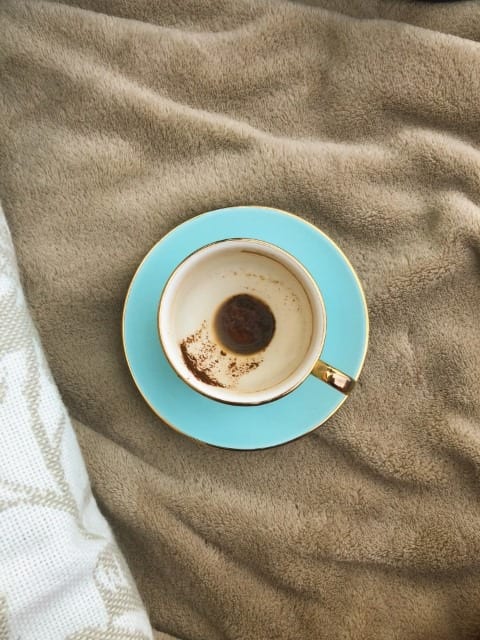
(245, 328)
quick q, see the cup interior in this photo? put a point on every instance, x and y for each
(242, 321)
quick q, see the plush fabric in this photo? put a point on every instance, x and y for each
(120, 119)
(61, 573)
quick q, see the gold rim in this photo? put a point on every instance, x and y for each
(307, 274)
(250, 206)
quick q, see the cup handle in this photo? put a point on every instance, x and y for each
(335, 378)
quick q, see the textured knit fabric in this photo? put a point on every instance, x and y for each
(120, 119)
(61, 573)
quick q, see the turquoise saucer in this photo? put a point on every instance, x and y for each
(245, 427)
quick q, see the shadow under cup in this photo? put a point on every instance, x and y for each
(242, 321)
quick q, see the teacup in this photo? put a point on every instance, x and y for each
(243, 322)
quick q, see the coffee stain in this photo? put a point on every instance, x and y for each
(245, 324)
(212, 364)
(262, 277)
(192, 364)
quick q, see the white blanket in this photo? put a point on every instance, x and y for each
(61, 573)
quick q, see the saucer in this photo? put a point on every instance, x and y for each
(233, 426)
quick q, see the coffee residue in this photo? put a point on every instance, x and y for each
(244, 367)
(211, 364)
(192, 364)
(245, 324)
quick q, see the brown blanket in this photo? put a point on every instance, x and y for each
(121, 118)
